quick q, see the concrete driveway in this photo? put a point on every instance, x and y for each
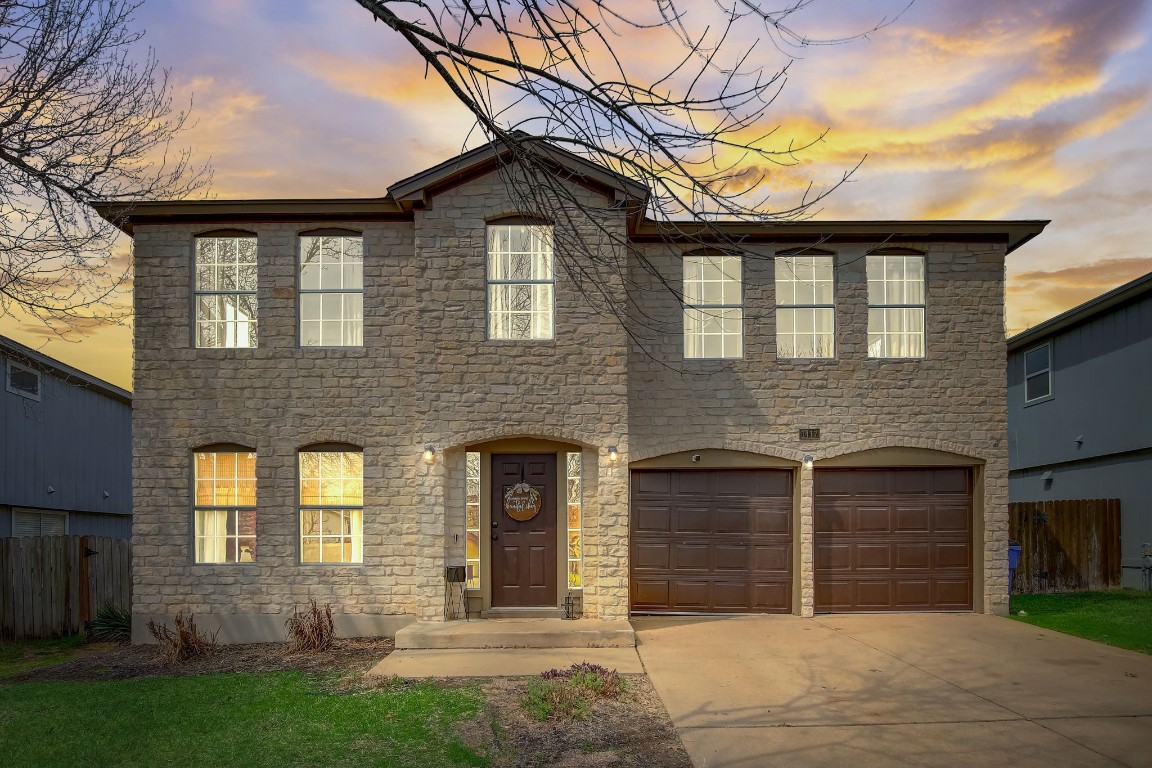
(897, 690)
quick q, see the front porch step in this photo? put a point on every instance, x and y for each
(522, 613)
(517, 633)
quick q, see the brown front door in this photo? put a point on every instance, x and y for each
(524, 553)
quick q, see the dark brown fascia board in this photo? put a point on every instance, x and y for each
(419, 188)
(1013, 233)
(27, 356)
(127, 216)
(1130, 291)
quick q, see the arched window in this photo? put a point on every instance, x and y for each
(224, 504)
(225, 289)
(331, 289)
(331, 504)
(896, 296)
(713, 305)
(805, 303)
(521, 284)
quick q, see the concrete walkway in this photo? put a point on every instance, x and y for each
(899, 690)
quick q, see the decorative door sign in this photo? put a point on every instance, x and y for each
(522, 502)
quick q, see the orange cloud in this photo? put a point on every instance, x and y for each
(1036, 296)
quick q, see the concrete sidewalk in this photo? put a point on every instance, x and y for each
(897, 690)
(502, 662)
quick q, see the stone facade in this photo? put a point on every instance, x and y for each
(427, 375)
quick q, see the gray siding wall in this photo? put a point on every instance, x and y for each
(1101, 371)
(75, 440)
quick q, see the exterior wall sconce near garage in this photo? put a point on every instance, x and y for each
(808, 461)
(429, 454)
(613, 454)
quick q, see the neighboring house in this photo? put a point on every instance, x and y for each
(1080, 411)
(65, 449)
(336, 399)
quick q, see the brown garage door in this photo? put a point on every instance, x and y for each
(893, 539)
(711, 541)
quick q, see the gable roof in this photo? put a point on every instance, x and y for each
(1130, 291)
(29, 357)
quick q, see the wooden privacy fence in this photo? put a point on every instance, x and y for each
(1066, 546)
(51, 585)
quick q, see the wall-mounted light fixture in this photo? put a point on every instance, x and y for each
(613, 454)
(808, 461)
(51, 489)
(429, 454)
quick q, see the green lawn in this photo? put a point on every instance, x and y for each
(1117, 617)
(23, 656)
(278, 719)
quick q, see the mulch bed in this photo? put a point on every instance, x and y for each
(631, 732)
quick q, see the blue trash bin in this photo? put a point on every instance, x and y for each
(1013, 562)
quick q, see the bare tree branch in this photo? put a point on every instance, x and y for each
(79, 121)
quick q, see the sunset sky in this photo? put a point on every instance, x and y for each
(963, 109)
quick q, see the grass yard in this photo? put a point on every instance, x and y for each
(1122, 618)
(272, 719)
(21, 657)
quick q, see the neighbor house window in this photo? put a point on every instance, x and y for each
(331, 291)
(1038, 373)
(895, 305)
(225, 506)
(472, 520)
(575, 520)
(331, 506)
(226, 292)
(805, 307)
(23, 381)
(713, 306)
(520, 281)
(26, 522)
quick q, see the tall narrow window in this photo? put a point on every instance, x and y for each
(805, 307)
(713, 306)
(472, 520)
(895, 305)
(1038, 373)
(520, 281)
(575, 521)
(225, 508)
(331, 506)
(226, 292)
(331, 291)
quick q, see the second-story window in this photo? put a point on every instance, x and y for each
(895, 305)
(805, 307)
(713, 306)
(1038, 373)
(331, 291)
(520, 281)
(225, 292)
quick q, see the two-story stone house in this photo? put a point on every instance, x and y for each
(338, 399)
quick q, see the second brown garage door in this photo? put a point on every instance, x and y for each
(893, 539)
(711, 541)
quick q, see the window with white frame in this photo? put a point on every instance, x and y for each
(331, 506)
(225, 292)
(713, 306)
(575, 521)
(472, 520)
(805, 306)
(895, 305)
(22, 381)
(331, 291)
(1038, 373)
(520, 281)
(225, 506)
(27, 522)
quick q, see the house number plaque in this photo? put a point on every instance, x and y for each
(522, 502)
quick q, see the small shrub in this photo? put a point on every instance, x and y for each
(568, 693)
(183, 642)
(312, 630)
(112, 624)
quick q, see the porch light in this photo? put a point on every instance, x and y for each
(808, 461)
(613, 454)
(429, 454)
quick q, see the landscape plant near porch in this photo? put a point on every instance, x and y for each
(569, 693)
